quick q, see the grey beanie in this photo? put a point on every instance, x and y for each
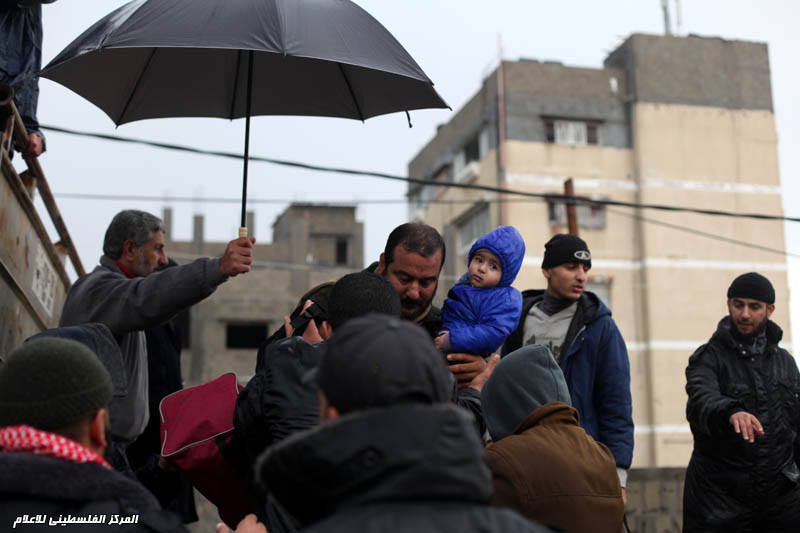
(49, 383)
(523, 381)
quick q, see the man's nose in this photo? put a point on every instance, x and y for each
(412, 292)
(582, 276)
(162, 259)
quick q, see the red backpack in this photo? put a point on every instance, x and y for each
(196, 433)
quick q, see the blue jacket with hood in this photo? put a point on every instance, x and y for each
(480, 319)
(597, 371)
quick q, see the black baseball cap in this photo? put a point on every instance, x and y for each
(378, 360)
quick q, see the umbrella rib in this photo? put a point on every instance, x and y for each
(236, 82)
(352, 94)
(136, 86)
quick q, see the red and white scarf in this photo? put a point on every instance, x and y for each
(30, 440)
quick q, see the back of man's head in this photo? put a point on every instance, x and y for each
(130, 225)
(51, 384)
(523, 381)
(378, 360)
(358, 294)
(415, 237)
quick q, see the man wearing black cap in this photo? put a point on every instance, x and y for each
(54, 396)
(744, 411)
(392, 453)
(578, 329)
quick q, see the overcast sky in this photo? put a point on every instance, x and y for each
(455, 43)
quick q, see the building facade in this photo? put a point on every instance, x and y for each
(682, 121)
(311, 244)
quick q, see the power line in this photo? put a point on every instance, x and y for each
(704, 234)
(578, 200)
(89, 196)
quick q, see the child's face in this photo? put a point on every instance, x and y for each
(484, 269)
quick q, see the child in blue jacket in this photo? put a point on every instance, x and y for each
(482, 309)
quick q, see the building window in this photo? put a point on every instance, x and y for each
(465, 162)
(472, 227)
(245, 336)
(572, 132)
(589, 216)
(341, 251)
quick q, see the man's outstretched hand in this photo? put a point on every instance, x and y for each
(238, 257)
(746, 424)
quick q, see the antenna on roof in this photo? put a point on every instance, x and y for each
(665, 9)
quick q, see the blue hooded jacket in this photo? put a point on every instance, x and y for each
(597, 371)
(480, 319)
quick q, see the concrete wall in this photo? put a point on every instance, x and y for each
(655, 500)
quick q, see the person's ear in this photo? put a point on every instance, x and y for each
(129, 250)
(97, 429)
(770, 309)
(546, 273)
(381, 264)
(325, 330)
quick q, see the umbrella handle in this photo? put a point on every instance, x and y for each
(243, 231)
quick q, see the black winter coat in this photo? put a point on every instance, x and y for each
(731, 484)
(414, 468)
(40, 485)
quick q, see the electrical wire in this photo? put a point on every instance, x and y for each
(577, 200)
(692, 231)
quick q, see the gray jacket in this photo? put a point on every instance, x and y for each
(128, 306)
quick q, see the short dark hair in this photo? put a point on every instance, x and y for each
(360, 293)
(415, 237)
(130, 225)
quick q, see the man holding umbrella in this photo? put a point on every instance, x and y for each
(126, 293)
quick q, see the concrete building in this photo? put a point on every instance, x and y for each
(683, 121)
(311, 244)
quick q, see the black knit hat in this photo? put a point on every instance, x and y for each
(752, 285)
(566, 248)
(49, 383)
(379, 360)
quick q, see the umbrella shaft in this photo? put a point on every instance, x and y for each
(247, 136)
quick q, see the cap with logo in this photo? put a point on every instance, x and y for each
(565, 248)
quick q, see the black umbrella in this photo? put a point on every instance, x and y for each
(237, 58)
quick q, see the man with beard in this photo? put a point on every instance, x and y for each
(127, 294)
(744, 411)
(412, 261)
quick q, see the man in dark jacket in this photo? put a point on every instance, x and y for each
(412, 261)
(578, 329)
(390, 454)
(744, 411)
(54, 395)
(544, 465)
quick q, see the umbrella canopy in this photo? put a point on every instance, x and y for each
(237, 58)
